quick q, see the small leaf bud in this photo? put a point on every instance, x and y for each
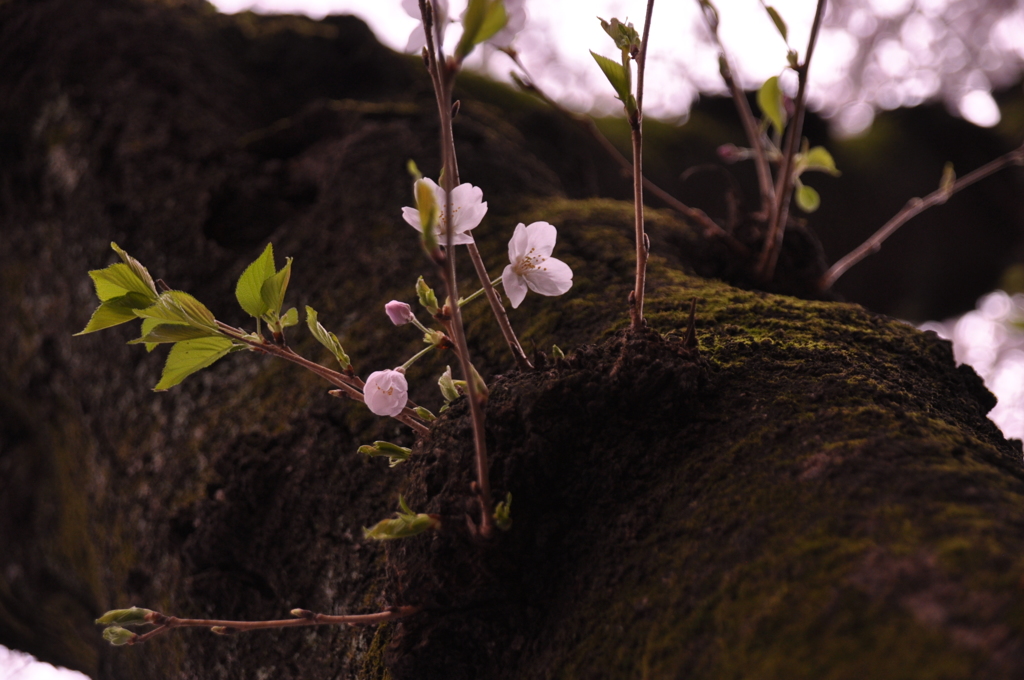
(133, 616)
(117, 636)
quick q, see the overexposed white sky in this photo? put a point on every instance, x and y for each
(930, 53)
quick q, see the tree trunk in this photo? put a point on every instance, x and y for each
(812, 492)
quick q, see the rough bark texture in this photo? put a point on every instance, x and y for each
(816, 493)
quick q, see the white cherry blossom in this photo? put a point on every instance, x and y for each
(468, 209)
(386, 392)
(418, 39)
(531, 265)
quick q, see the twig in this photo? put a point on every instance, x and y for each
(711, 228)
(303, 618)
(784, 181)
(750, 126)
(914, 207)
(350, 385)
(443, 77)
(636, 122)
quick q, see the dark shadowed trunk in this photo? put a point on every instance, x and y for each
(813, 492)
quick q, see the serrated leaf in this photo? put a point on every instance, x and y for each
(141, 272)
(250, 283)
(147, 326)
(780, 25)
(807, 198)
(166, 332)
(818, 158)
(769, 98)
(190, 356)
(273, 290)
(117, 280)
(624, 35)
(114, 312)
(616, 74)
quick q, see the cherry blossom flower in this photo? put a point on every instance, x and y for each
(531, 265)
(399, 312)
(418, 39)
(515, 10)
(386, 392)
(468, 209)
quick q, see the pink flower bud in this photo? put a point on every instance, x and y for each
(386, 392)
(399, 312)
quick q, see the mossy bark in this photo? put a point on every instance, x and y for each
(816, 493)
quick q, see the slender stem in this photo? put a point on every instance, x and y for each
(914, 207)
(497, 307)
(167, 623)
(750, 126)
(464, 301)
(351, 386)
(636, 123)
(412, 360)
(784, 182)
(711, 228)
(443, 76)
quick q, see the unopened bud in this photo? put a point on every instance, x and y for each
(133, 616)
(302, 613)
(399, 312)
(117, 636)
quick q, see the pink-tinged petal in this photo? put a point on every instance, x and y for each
(412, 217)
(459, 239)
(469, 217)
(541, 239)
(515, 286)
(412, 8)
(466, 194)
(552, 277)
(517, 247)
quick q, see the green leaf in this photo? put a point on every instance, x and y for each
(273, 290)
(769, 98)
(818, 158)
(780, 25)
(147, 326)
(328, 340)
(807, 198)
(616, 74)
(425, 414)
(394, 453)
(177, 307)
(250, 283)
(625, 36)
(406, 523)
(167, 332)
(482, 19)
(190, 356)
(290, 318)
(133, 616)
(140, 272)
(114, 312)
(118, 280)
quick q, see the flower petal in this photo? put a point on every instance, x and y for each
(386, 392)
(553, 277)
(412, 217)
(514, 284)
(540, 239)
(517, 247)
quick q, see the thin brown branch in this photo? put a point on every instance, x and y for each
(914, 207)
(350, 385)
(636, 123)
(784, 183)
(750, 126)
(443, 78)
(303, 618)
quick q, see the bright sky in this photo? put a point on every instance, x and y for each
(902, 72)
